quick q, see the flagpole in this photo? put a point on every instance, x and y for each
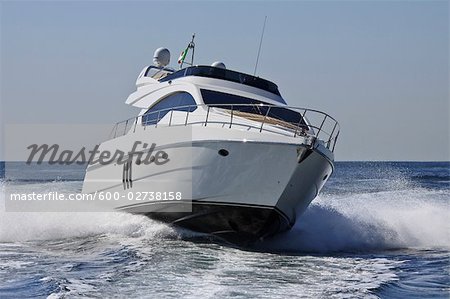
(192, 45)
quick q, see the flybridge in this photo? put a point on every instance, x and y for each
(224, 74)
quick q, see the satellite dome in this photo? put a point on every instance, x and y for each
(219, 64)
(161, 58)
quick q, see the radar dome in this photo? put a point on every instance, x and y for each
(161, 58)
(219, 64)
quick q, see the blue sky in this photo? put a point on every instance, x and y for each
(380, 67)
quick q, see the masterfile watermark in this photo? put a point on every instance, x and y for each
(77, 168)
(141, 202)
(103, 157)
(139, 196)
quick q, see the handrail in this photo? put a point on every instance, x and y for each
(231, 118)
(265, 117)
(325, 124)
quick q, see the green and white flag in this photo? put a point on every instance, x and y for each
(183, 56)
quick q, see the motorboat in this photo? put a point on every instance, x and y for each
(215, 151)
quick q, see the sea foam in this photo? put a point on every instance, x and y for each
(383, 220)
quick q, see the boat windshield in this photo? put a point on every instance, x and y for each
(251, 106)
(224, 74)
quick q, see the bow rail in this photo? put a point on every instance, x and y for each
(261, 117)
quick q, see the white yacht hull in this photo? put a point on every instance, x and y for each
(256, 190)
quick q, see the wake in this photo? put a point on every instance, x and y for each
(414, 218)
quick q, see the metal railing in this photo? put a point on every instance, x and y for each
(284, 120)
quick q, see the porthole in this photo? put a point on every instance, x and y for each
(223, 152)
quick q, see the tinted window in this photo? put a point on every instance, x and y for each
(179, 101)
(224, 74)
(224, 100)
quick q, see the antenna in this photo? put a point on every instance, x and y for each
(260, 44)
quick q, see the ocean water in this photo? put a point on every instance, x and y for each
(378, 230)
